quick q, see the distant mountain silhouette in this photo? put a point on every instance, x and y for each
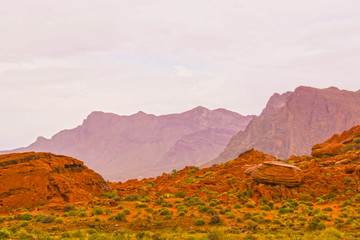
(293, 122)
(144, 145)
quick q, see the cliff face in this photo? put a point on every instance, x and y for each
(293, 122)
(28, 179)
(144, 145)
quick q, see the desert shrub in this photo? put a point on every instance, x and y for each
(69, 208)
(4, 234)
(59, 220)
(141, 205)
(207, 210)
(25, 216)
(165, 212)
(249, 205)
(237, 206)
(258, 219)
(286, 210)
(214, 202)
(356, 140)
(131, 197)
(245, 194)
(230, 215)
(179, 194)
(346, 203)
(126, 211)
(316, 224)
(247, 215)
(265, 208)
(348, 180)
(194, 201)
(214, 220)
(24, 223)
(304, 197)
(199, 222)
(216, 234)
(251, 225)
(330, 234)
(97, 211)
(110, 195)
(277, 221)
(48, 219)
(120, 216)
(82, 213)
(327, 209)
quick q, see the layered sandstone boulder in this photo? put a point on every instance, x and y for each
(28, 179)
(275, 172)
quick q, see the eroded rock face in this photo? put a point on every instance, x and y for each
(293, 122)
(275, 172)
(28, 179)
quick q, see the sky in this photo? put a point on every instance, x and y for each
(61, 60)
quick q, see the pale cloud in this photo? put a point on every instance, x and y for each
(60, 60)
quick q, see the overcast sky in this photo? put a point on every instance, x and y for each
(61, 60)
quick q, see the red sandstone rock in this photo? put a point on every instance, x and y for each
(28, 179)
(275, 172)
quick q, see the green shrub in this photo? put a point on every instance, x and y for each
(25, 216)
(97, 211)
(199, 222)
(179, 194)
(69, 208)
(230, 215)
(330, 234)
(48, 219)
(327, 209)
(4, 234)
(126, 211)
(265, 208)
(215, 220)
(249, 205)
(165, 212)
(131, 197)
(120, 216)
(316, 224)
(111, 195)
(304, 197)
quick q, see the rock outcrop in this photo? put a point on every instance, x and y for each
(338, 144)
(275, 172)
(28, 179)
(293, 122)
(144, 145)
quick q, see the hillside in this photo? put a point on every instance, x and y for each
(30, 179)
(254, 196)
(144, 145)
(293, 122)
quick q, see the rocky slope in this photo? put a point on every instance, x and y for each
(293, 122)
(29, 179)
(257, 175)
(143, 145)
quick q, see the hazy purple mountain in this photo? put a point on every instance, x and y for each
(293, 122)
(143, 145)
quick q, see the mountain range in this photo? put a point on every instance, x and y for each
(144, 145)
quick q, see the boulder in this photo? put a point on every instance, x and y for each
(275, 172)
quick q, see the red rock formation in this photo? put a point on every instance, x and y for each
(293, 122)
(28, 179)
(144, 145)
(275, 172)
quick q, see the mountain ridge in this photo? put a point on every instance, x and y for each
(141, 144)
